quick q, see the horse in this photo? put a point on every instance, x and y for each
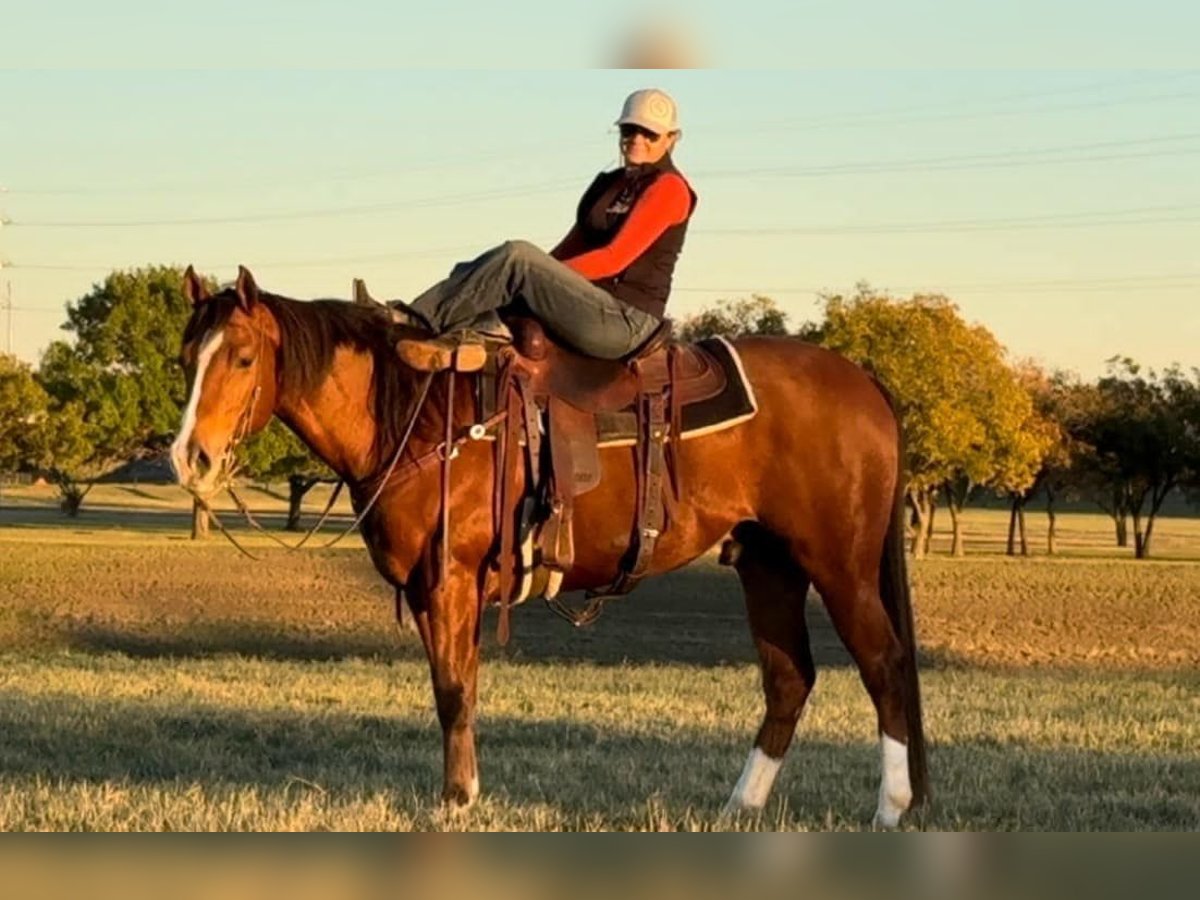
(809, 491)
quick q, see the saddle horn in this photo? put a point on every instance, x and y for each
(361, 295)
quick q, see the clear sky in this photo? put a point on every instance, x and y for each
(1039, 163)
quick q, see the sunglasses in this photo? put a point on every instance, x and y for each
(629, 132)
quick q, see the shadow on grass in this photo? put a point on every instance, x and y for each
(210, 641)
(695, 616)
(135, 491)
(579, 769)
(104, 517)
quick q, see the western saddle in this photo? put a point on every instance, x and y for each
(560, 408)
(558, 403)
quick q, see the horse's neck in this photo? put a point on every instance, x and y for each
(335, 419)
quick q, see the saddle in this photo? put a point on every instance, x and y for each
(562, 407)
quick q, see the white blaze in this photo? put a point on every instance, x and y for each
(179, 453)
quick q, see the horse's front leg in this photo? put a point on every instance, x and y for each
(448, 622)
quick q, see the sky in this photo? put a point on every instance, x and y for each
(1037, 163)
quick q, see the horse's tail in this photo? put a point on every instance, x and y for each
(897, 600)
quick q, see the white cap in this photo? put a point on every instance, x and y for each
(652, 109)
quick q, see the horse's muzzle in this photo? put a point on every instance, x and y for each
(195, 469)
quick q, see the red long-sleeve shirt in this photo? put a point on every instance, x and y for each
(665, 203)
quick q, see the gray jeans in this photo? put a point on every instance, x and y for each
(589, 319)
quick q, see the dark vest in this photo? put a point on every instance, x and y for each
(646, 283)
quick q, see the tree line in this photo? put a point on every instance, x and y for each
(975, 421)
(115, 392)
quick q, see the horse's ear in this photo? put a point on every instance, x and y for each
(247, 290)
(194, 287)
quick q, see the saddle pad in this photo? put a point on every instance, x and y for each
(733, 405)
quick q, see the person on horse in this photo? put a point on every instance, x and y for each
(603, 289)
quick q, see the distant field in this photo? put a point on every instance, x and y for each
(149, 681)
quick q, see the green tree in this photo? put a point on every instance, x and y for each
(1069, 406)
(120, 376)
(1146, 440)
(38, 436)
(23, 412)
(736, 318)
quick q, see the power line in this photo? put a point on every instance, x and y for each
(1018, 97)
(876, 117)
(1144, 215)
(391, 256)
(260, 184)
(1059, 154)
(1185, 281)
(1154, 282)
(884, 118)
(328, 212)
(1134, 216)
(942, 163)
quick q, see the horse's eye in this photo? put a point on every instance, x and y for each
(245, 362)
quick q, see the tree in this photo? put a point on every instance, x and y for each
(1044, 427)
(119, 378)
(1069, 405)
(1146, 438)
(23, 411)
(968, 422)
(36, 436)
(736, 318)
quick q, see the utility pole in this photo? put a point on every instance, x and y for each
(9, 309)
(8, 304)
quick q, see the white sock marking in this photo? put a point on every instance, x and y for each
(754, 786)
(895, 791)
(179, 454)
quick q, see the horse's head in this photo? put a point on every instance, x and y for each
(229, 356)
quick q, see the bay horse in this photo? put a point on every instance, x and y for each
(810, 489)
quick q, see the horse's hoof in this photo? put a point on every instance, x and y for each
(731, 553)
(886, 821)
(732, 813)
(459, 797)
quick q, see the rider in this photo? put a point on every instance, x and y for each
(603, 290)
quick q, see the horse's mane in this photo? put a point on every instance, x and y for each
(310, 333)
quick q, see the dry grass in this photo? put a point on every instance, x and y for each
(149, 682)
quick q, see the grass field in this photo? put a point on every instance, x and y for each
(151, 682)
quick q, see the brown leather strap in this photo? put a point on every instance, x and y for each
(675, 433)
(533, 431)
(447, 456)
(649, 472)
(509, 454)
(651, 516)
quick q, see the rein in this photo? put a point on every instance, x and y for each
(383, 481)
(443, 452)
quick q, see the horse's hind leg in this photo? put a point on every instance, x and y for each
(775, 588)
(856, 609)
